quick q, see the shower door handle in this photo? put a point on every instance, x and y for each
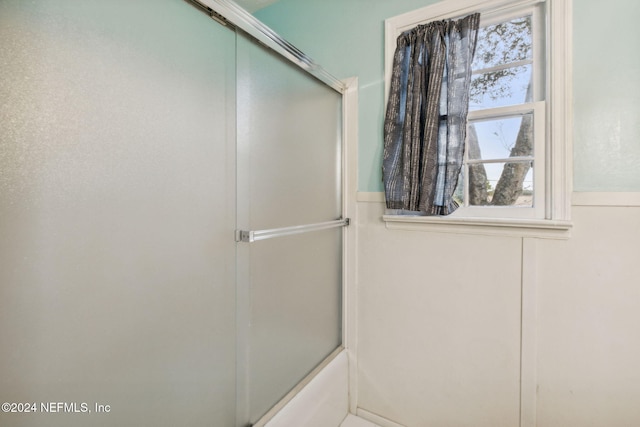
(249, 236)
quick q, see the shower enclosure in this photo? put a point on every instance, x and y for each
(170, 211)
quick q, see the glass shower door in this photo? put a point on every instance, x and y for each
(289, 175)
(136, 138)
(117, 213)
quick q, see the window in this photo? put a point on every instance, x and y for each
(516, 164)
(504, 163)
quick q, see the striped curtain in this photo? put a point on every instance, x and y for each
(426, 119)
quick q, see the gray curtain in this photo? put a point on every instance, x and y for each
(426, 118)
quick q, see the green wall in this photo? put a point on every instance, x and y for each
(347, 37)
(606, 95)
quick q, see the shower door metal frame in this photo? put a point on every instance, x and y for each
(349, 205)
(227, 12)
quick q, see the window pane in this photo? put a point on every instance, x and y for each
(501, 138)
(503, 43)
(500, 88)
(501, 184)
(458, 194)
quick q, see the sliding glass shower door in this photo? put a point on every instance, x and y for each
(117, 214)
(289, 180)
(138, 139)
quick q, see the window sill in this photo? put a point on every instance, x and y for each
(546, 229)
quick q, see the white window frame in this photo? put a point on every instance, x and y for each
(552, 120)
(537, 109)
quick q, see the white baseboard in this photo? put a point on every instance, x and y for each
(376, 419)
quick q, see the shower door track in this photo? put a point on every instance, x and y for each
(228, 12)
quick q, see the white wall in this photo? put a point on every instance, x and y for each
(589, 318)
(438, 325)
(440, 318)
